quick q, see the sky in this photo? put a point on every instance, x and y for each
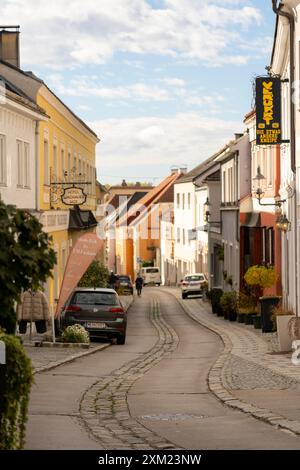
(163, 83)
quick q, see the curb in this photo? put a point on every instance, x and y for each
(217, 387)
(72, 358)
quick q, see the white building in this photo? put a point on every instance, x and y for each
(19, 121)
(285, 62)
(190, 248)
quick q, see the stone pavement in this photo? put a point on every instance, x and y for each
(46, 358)
(248, 375)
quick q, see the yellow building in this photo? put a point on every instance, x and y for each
(65, 148)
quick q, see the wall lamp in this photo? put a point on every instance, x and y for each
(259, 193)
(282, 223)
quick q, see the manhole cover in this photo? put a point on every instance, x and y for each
(171, 417)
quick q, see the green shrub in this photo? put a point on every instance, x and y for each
(75, 334)
(228, 302)
(96, 276)
(18, 378)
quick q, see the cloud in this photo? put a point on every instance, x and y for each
(68, 33)
(84, 86)
(160, 142)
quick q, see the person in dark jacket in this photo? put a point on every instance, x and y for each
(112, 280)
(139, 282)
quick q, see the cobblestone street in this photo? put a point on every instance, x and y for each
(151, 393)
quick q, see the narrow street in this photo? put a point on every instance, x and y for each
(151, 393)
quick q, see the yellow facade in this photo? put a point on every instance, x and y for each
(67, 151)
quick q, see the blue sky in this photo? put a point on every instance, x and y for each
(162, 82)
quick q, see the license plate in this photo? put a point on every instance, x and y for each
(95, 325)
(123, 284)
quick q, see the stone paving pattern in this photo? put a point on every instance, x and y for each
(244, 345)
(104, 408)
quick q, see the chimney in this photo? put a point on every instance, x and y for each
(174, 170)
(9, 45)
(124, 183)
(238, 136)
(183, 170)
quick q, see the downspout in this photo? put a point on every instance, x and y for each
(37, 166)
(278, 11)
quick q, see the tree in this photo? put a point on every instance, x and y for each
(26, 259)
(96, 276)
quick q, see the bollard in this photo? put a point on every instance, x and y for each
(2, 366)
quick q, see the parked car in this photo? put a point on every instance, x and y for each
(99, 310)
(124, 283)
(151, 275)
(193, 284)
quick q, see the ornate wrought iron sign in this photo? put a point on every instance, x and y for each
(69, 190)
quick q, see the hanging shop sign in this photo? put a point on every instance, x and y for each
(268, 111)
(73, 196)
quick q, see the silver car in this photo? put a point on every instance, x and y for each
(193, 284)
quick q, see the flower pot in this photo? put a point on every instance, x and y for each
(249, 318)
(257, 322)
(267, 304)
(284, 339)
(232, 315)
(241, 317)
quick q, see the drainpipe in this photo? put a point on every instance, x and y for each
(37, 166)
(278, 11)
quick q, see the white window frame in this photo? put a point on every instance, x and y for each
(26, 161)
(3, 161)
(46, 162)
(20, 164)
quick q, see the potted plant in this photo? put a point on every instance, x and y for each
(259, 278)
(282, 317)
(246, 307)
(229, 305)
(216, 294)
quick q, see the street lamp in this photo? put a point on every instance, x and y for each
(259, 193)
(206, 209)
(282, 223)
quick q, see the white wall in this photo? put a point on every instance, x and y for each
(15, 125)
(184, 221)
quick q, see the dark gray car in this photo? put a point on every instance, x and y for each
(99, 310)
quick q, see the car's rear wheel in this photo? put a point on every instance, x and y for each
(121, 339)
(184, 296)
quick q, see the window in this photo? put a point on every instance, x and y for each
(183, 236)
(63, 167)
(46, 162)
(178, 235)
(183, 201)
(269, 246)
(26, 165)
(20, 166)
(55, 162)
(178, 200)
(189, 200)
(69, 163)
(3, 170)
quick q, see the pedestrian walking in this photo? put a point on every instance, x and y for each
(112, 280)
(139, 282)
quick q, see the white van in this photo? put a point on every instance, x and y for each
(151, 275)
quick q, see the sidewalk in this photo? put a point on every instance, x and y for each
(46, 358)
(249, 375)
